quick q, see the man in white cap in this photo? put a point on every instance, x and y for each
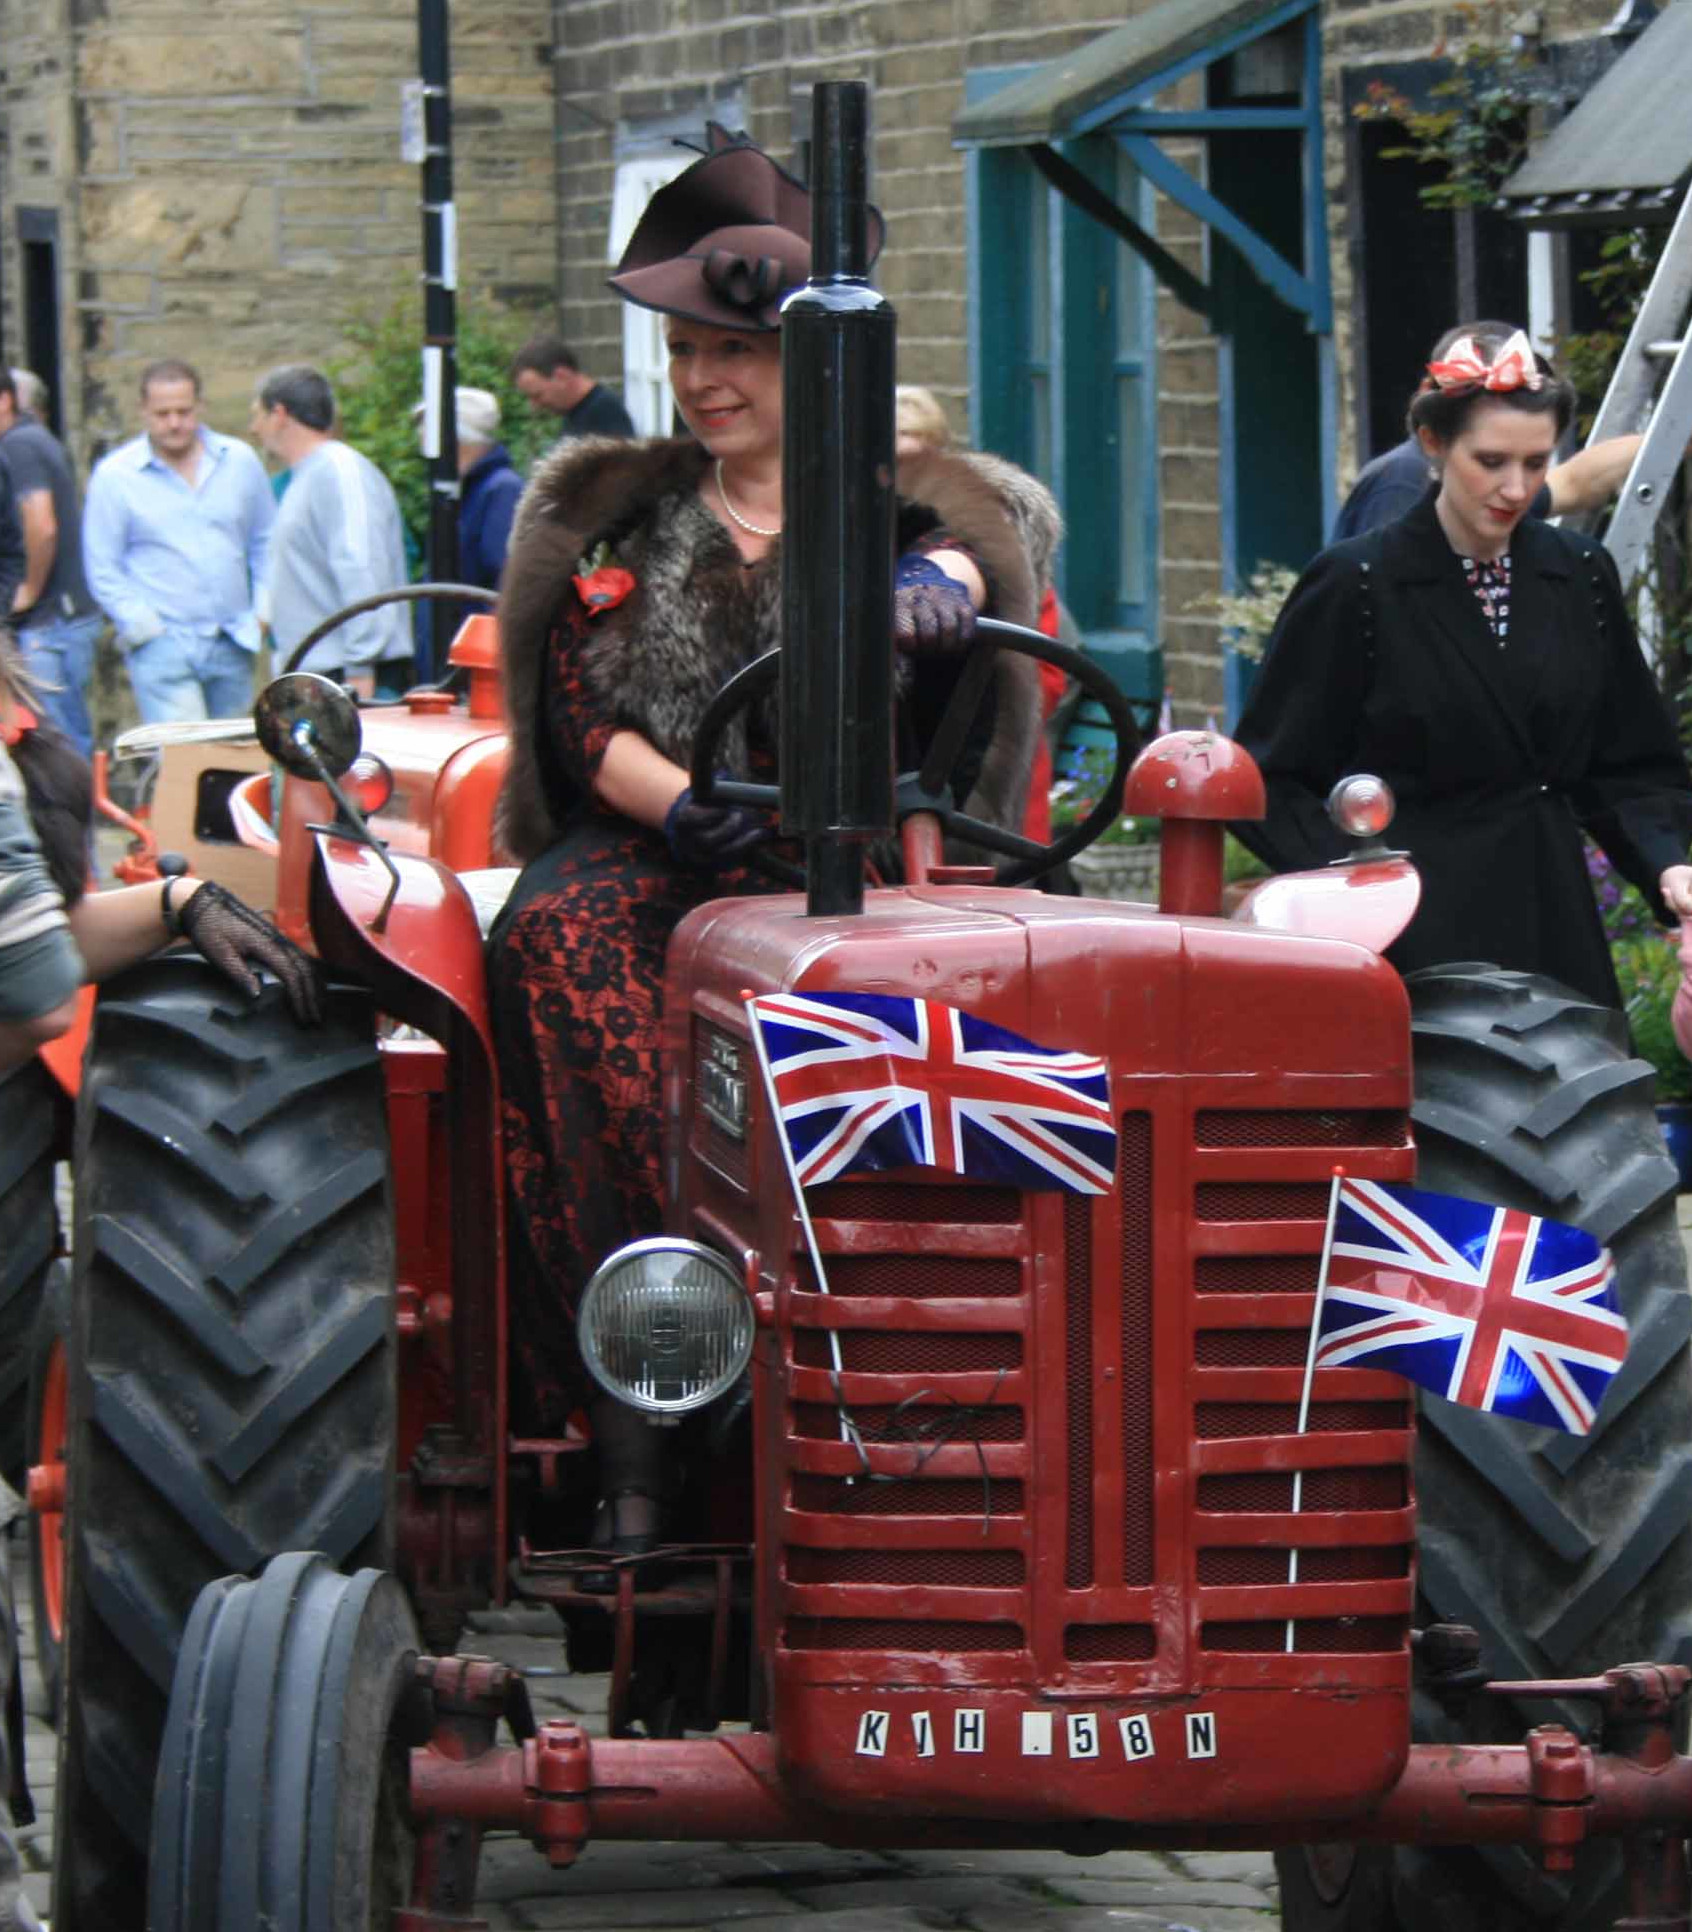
(338, 538)
(489, 486)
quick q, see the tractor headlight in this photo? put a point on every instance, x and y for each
(665, 1325)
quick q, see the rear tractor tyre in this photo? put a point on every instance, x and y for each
(232, 1381)
(33, 1105)
(283, 1780)
(1567, 1553)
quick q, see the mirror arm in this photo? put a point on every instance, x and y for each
(350, 821)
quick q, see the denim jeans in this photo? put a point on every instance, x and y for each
(178, 675)
(60, 657)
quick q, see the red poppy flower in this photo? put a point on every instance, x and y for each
(604, 588)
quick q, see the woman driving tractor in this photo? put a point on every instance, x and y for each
(641, 577)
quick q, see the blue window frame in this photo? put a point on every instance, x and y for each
(1063, 379)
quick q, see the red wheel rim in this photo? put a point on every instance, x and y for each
(50, 1522)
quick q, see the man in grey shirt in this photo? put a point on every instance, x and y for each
(338, 538)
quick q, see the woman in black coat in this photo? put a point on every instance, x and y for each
(1482, 662)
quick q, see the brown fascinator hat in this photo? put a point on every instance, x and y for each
(725, 241)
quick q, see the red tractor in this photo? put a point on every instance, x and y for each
(1073, 1578)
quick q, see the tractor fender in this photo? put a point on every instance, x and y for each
(423, 958)
(1369, 902)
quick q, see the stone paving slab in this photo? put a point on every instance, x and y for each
(1122, 1919)
(1160, 1893)
(633, 1911)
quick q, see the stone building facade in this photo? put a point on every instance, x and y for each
(226, 184)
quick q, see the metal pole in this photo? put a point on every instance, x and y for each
(838, 340)
(440, 321)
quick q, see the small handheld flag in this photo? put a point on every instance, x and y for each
(871, 1080)
(1486, 1306)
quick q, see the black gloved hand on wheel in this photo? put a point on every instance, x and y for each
(710, 837)
(237, 940)
(932, 613)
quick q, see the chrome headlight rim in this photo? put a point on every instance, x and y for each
(607, 1274)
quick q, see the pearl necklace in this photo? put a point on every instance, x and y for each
(752, 529)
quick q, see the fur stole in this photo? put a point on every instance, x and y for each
(696, 615)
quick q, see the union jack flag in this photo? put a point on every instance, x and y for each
(1484, 1305)
(872, 1080)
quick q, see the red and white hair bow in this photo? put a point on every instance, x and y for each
(1463, 366)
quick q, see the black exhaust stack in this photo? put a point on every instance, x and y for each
(838, 341)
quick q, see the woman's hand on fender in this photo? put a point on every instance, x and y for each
(710, 837)
(1675, 884)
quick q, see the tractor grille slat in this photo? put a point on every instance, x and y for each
(1355, 1127)
(1078, 1388)
(1322, 1492)
(995, 1569)
(1134, 1184)
(891, 1633)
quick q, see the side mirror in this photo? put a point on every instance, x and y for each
(309, 725)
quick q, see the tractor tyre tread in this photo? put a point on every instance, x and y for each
(1526, 1095)
(232, 1387)
(29, 1239)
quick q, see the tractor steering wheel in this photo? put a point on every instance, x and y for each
(928, 790)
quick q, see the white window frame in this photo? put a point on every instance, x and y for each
(646, 359)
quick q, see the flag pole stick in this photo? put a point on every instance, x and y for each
(768, 1073)
(1310, 1367)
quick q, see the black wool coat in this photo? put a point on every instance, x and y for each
(1382, 661)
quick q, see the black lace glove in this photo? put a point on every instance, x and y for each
(711, 837)
(237, 940)
(932, 614)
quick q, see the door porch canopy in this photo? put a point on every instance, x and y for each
(1104, 87)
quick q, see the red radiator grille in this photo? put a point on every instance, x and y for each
(1239, 1352)
(1263, 1493)
(1348, 1636)
(921, 1276)
(1109, 1643)
(928, 1201)
(914, 1496)
(1225, 1568)
(1226, 1421)
(1255, 1274)
(1134, 1183)
(956, 1569)
(1262, 1200)
(926, 1426)
(1356, 1128)
(1251, 1347)
(1078, 1384)
(873, 1351)
(887, 1633)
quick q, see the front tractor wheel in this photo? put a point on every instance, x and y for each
(231, 1384)
(1567, 1553)
(32, 1103)
(283, 1781)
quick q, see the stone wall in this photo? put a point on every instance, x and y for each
(628, 64)
(230, 186)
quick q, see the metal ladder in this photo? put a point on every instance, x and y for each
(1660, 335)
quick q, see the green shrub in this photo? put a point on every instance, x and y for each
(381, 382)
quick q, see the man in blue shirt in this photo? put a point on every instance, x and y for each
(175, 535)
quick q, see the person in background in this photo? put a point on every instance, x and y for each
(1391, 484)
(32, 393)
(489, 486)
(338, 539)
(1482, 662)
(547, 372)
(53, 611)
(175, 537)
(919, 423)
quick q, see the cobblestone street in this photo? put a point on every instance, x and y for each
(771, 1888)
